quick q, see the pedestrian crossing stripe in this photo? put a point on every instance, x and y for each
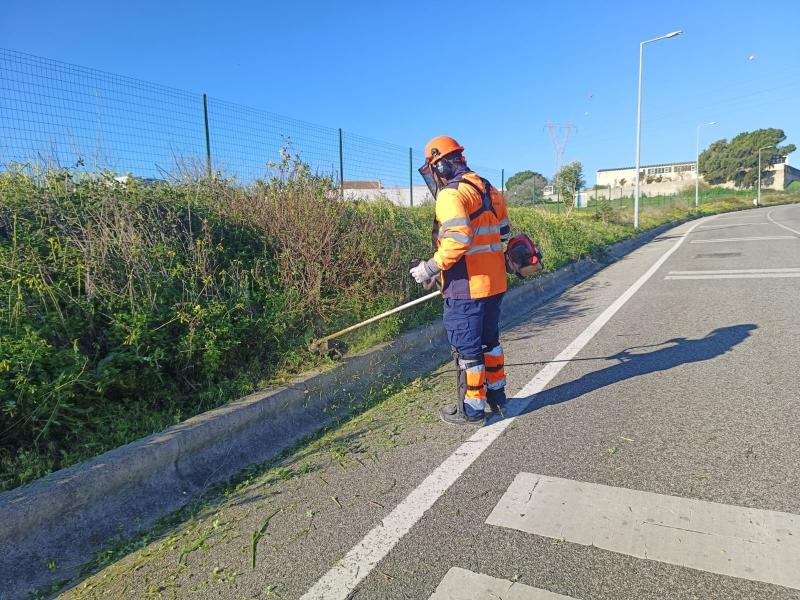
(461, 584)
(759, 545)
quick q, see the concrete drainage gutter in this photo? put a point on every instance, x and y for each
(71, 514)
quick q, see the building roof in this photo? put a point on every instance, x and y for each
(361, 185)
(669, 164)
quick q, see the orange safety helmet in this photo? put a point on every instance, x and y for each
(439, 147)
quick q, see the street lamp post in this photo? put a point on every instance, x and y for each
(697, 166)
(758, 196)
(639, 121)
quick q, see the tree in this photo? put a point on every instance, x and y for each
(737, 160)
(570, 181)
(519, 178)
(520, 191)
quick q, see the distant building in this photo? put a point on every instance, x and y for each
(780, 174)
(662, 178)
(361, 185)
(374, 190)
(670, 178)
(582, 198)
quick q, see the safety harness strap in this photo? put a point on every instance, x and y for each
(486, 195)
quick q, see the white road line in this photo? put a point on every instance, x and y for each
(341, 580)
(760, 545)
(732, 224)
(737, 276)
(745, 239)
(774, 222)
(724, 271)
(460, 584)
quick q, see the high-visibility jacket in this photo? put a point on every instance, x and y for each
(470, 238)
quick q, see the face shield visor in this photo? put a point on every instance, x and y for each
(436, 175)
(431, 181)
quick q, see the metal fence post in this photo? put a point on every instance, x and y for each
(341, 164)
(533, 179)
(410, 177)
(502, 180)
(208, 138)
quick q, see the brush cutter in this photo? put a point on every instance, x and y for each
(523, 258)
(331, 347)
(325, 346)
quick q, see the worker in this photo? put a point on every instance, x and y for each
(470, 229)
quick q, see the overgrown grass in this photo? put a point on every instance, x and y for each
(125, 308)
(684, 199)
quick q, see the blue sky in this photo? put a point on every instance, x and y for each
(490, 74)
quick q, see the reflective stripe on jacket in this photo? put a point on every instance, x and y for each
(470, 250)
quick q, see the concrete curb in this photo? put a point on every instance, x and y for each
(72, 514)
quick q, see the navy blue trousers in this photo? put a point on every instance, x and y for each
(472, 324)
(473, 327)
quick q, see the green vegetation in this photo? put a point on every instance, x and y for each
(569, 181)
(597, 201)
(520, 188)
(127, 307)
(737, 160)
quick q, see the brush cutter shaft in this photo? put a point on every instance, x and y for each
(379, 317)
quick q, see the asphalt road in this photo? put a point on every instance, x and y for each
(685, 404)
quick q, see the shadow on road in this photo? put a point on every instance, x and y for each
(678, 351)
(570, 305)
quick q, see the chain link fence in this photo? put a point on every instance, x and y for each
(62, 115)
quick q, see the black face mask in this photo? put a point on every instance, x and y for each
(445, 169)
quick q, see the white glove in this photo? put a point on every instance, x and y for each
(425, 271)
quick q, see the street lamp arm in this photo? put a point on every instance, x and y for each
(663, 37)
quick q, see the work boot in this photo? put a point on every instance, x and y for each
(450, 414)
(495, 410)
(496, 400)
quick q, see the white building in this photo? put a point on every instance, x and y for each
(582, 198)
(374, 190)
(670, 178)
(662, 178)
